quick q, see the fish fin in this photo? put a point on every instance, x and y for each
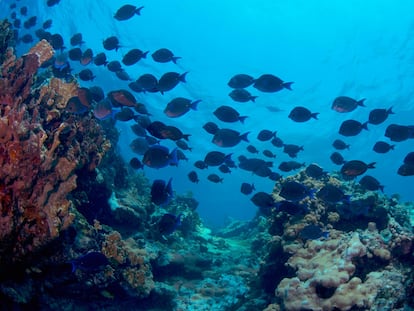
(241, 119)
(288, 85)
(73, 266)
(175, 58)
(144, 55)
(372, 165)
(194, 104)
(138, 10)
(227, 157)
(253, 98)
(315, 115)
(389, 111)
(392, 147)
(365, 125)
(244, 136)
(169, 187)
(253, 187)
(185, 136)
(347, 147)
(381, 187)
(361, 102)
(182, 77)
(174, 157)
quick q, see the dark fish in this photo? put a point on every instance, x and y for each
(27, 38)
(371, 183)
(382, 147)
(240, 81)
(180, 106)
(290, 208)
(216, 158)
(265, 135)
(211, 128)
(377, 116)
(161, 192)
(121, 98)
(268, 153)
(356, 168)
(47, 24)
(173, 133)
(100, 59)
(164, 56)
(181, 155)
(56, 41)
(133, 56)
(85, 96)
(275, 176)
(406, 170)
(141, 109)
(136, 164)
(91, 262)
(229, 138)
(155, 129)
(264, 202)
(242, 96)
(134, 85)
(312, 232)
(170, 80)
(277, 142)
(252, 149)
(103, 110)
(292, 150)
(123, 75)
(114, 66)
(287, 166)
(182, 145)
(228, 114)
(224, 169)
(23, 10)
(253, 164)
(247, 188)
(111, 43)
(409, 158)
(42, 34)
(158, 156)
(144, 121)
(193, 177)
(200, 164)
(315, 171)
(331, 194)
(29, 23)
(294, 191)
(346, 104)
(139, 145)
(352, 127)
(262, 170)
(87, 57)
(270, 83)
(169, 223)
(399, 133)
(337, 158)
(302, 114)
(340, 145)
(215, 178)
(76, 39)
(127, 11)
(86, 75)
(74, 105)
(52, 2)
(139, 130)
(97, 93)
(152, 140)
(125, 114)
(148, 82)
(75, 54)
(17, 23)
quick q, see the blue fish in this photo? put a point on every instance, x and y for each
(169, 223)
(91, 262)
(161, 193)
(158, 156)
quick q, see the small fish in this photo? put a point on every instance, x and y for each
(406, 170)
(193, 177)
(56, 40)
(292, 150)
(52, 2)
(252, 149)
(121, 98)
(170, 80)
(229, 138)
(337, 158)
(74, 105)
(164, 56)
(240, 81)
(139, 145)
(242, 96)
(75, 54)
(340, 145)
(382, 147)
(148, 82)
(371, 183)
(216, 158)
(262, 170)
(264, 202)
(97, 93)
(228, 114)
(125, 114)
(158, 156)
(302, 114)
(27, 38)
(268, 153)
(312, 232)
(409, 158)
(86, 75)
(183, 145)
(127, 11)
(287, 166)
(269, 83)
(114, 66)
(23, 10)
(103, 110)
(352, 127)
(200, 164)
(31, 22)
(161, 192)
(215, 178)
(111, 43)
(180, 106)
(290, 208)
(100, 59)
(294, 191)
(91, 262)
(356, 168)
(332, 194)
(247, 188)
(377, 116)
(169, 223)
(47, 24)
(224, 169)
(76, 39)
(275, 176)
(173, 133)
(346, 104)
(265, 135)
(133, 56)
(277, 142)
(315, 171)
(123, 75)
(136, 164)
(87, 57)
(211, 128)
(399, 133)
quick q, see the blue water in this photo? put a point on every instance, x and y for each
(361, 49)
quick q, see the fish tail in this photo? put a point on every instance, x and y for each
(144, 55)
(194, 104)
(365, 125)
(372, 165)
(185, 136)
(182, 77)
(315, 115)
(138, 10)
(392, 147)
(253, 98)
(288, 85)
(389, 111)
(361, 102)
(174, 157)
(175, 58)
(244, 137)
(241, 119)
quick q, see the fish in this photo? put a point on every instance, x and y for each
(139, 130)
(262, 170)
(27, 38)
(161, 192)
(136, 164)
(242, 96)
(31, 22)
(287, 166)
(277, 142)
(409, 158)
(200, 164)
(87, 57)
(111, 43)
(269, 83)
(123, 75)
(332, 194)
(127, 11)
(406, 170)
(114, 66)
(346, 104)
(181, 155)
(292, 150)
(382, 147)
(356, 168)
(103, 110)
(86, 75)
(139, 145)
(268, 153)
(265, 135)
(125, 114)
(216, 158)
(47, 24)
(183, 145)
(180, 106)
(17, 23)
(215, 178)
(148, 82)
(76, 39)
(399, 133)
(240, 81)
(252, 149)
(378, 116)
(340, 145)
(170, 80)
(224, 169)
(133, 56)
(97, 93)
(90, 262)
(169, 223)
(264, 202)
(193, 177)
(294, 191)
(371, 183)
(228, 114)
(144, 121)
(253, 164)
(312, 232)
(302, 114)
(155, 129)
(121, 98)
(75, 54)
(74, 105)
(337, 158)
(274, 109)
(164, 55)
(52, 2)
(56, 41)
(100, 59)
(23, 10)
(211, 128)
(173, 133)
(352, 127)
(291, 208)
(275, 176)
(315, 171)
(247, 188)
(229, 138)
(158, 156)
(85, 96)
